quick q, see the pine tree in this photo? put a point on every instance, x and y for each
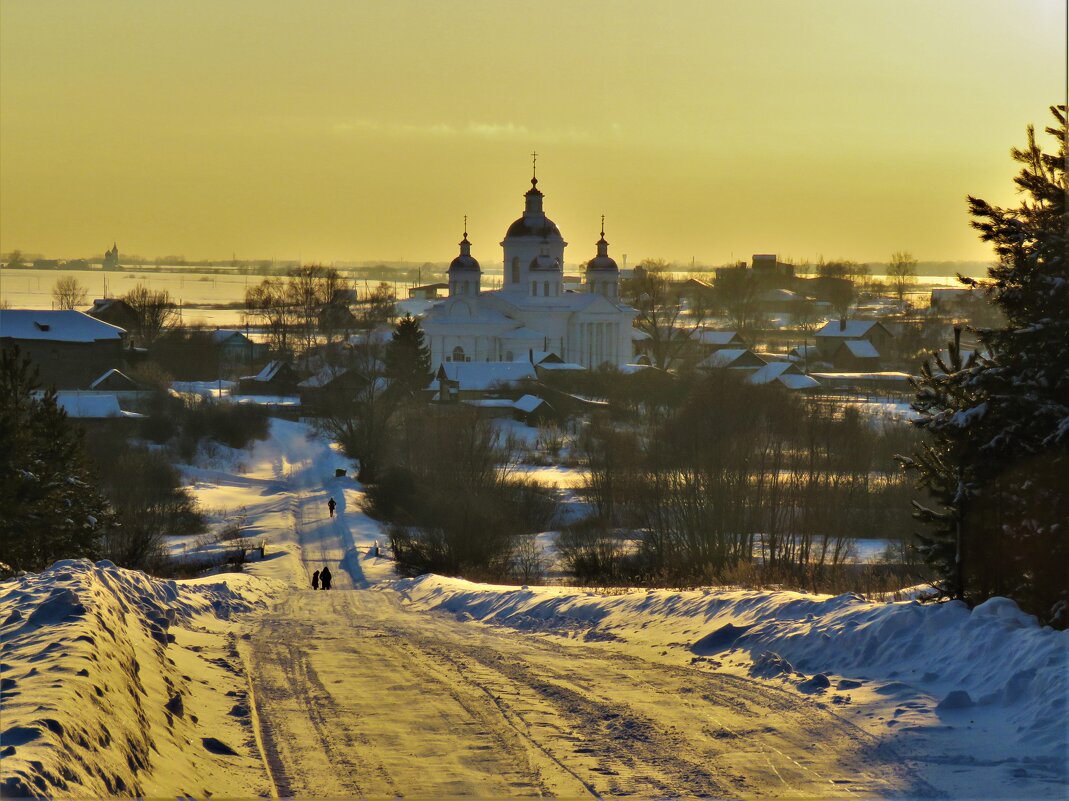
(945, 467)
(49, 508)
(1001, 425)
(408, 360)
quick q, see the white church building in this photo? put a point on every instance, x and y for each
(532, 312)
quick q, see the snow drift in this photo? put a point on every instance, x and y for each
(99, 700)
(992, 659)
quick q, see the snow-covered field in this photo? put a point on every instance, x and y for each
(437, 686)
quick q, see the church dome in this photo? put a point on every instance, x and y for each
(542, 227)
(603, 261)
(534, 221)
(465, 261)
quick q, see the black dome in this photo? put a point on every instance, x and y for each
(602, 263)
(544, 228)
(463, 263)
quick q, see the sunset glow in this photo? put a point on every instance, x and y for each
(341, 131)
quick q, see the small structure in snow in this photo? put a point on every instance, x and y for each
(732, 359)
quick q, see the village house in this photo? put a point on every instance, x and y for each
(711, 341)
(276, 378)
(732, 359)
(786, 374)
(856, 356)
(115, 311)
(69, 348)
(836, 332)
(320, 392)
(473, 380)
(428, 292)
(235, 349)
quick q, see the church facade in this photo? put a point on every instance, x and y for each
(532, 311)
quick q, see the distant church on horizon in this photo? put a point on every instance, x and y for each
(532, 312)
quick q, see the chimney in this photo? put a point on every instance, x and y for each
(842, 323)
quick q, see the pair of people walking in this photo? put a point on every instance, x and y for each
(321, 577)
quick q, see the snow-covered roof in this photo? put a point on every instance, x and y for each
(717, 337)
(638, 336)
(478, 376)
(270, 370)
(563, 366)
(771, 371)
(113, 372)
(852, 329)
(525, 333)
(86, 406)
(528, 403)
(222, 335)
(799, 381)
(779, 296)
(861, 348)
(490, 403)
(538, 356)
(55, 326)
(729, 356)
(323, 377)
(631, 369)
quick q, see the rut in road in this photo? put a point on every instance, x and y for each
(363, 697)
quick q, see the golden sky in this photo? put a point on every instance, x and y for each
(354, 131)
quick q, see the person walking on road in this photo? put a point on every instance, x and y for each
(330, 505)
(315, 580)
(324, 576)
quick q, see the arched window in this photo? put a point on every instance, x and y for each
(508, 356)
(545, 288)
(466, 285)
(458, 354)
(515, 269)
(534, 288)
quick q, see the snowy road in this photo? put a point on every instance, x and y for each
(357, 694)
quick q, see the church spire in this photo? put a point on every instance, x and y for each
(465, 245)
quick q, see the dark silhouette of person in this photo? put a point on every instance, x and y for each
(324, 576)
(330, 505)
(315, 580)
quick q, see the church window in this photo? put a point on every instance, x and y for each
(534, 288)
(516, 269)
(509, 356)
(545, 288)
(458, 354)
(466, 285)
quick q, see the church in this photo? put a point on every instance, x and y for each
(532, 312)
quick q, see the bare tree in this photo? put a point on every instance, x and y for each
(661, 315)
(155, 311)
(903, 272)
(69, 293)
(738, 291)
(268, 303)
(310, 290)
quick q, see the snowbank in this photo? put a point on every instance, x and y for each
(930, 663)
(115, 683)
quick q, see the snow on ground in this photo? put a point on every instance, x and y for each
(115, 683)
(973, 703)
(977, 698)
(279, 487)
